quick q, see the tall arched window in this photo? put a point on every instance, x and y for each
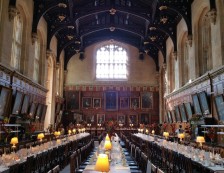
(204, 43)
(17, 42)
(184, 60)
(36, 61)
(111, 62)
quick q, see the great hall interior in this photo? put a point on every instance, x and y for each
(118, 86)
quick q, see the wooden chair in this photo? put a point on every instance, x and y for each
(14, 168)
(160, 171)
(143, 162)
(153, 168)
(56, 169)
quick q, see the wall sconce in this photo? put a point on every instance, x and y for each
(69, 132)
(102, 163)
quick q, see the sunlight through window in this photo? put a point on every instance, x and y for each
(111, 62)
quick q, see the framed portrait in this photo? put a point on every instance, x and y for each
(188, 110)
(144, 118)
(133, 119)
(100, 118)
(134, 102)
(25, 105)
(17, 103)
(203, 99)
(177, 112)
(146, 100)
(124, 102)
(5, 97)
(183, 113)
(111, 100)
(219, 104)
(58, 119)
(173, 116)
(43, 114)
(58, 108)
(197, 108)
(86, 102)
(72, 100)
(39, 112)
(96, 102)
(169, 117)
(32, 111)
(121, 119)
(77, 118)
(90, 119)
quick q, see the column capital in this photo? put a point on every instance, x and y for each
(49, 53)
(212, 16)
(164, 66)
(174, 55)
(189, 40)
(57, 65)
(12, 12)
(34, 37)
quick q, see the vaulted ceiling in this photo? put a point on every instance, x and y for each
(145, 24)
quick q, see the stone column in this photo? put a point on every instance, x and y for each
(176, 70)
(51, 89)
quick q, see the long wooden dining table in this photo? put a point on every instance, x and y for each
(4, 168)
(196, 155)
(116, 166)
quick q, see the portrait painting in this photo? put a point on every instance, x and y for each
(146, 100)
(183, 113)
(96, 102)
(72, 100)
(197, 108)
(144, 118)
(25, 104)
(188, 110)
(5, 96)
(44, 111)
(90, 119)
(86, 102)
(58, 108)
(173, 116)
(169, 117)
(121, 119)
(177, 111)
(39, 112)
(111, 100)
(135, 103)
(203, 99)
(124, 102)
(17, 103)
(100, 118)
(32, 111)
(77, 118)
(133, 119)
(219, 104)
